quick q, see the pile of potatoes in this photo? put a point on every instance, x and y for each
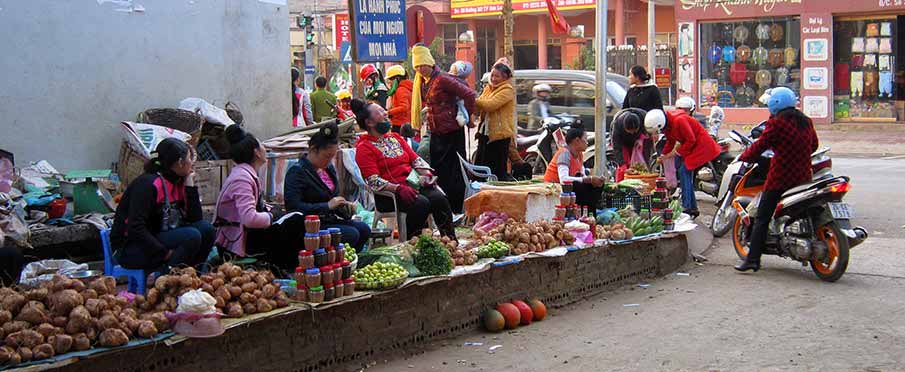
(64, 315)
(527, 237)
(616, 231)
(243, 292)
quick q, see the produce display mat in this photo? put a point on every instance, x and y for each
(72, 357)
(235, 322)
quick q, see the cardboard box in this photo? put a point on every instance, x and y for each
(209, 177)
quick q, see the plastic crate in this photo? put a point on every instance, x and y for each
(625, 198)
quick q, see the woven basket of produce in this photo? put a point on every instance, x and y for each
(232, 110)
(181, 120)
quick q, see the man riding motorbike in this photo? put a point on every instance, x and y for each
(695, 149)
(539, 107)
(791, 136)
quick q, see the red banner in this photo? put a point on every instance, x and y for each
(342, 29)
(560, 25)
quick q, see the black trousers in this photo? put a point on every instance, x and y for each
(430, 201)
(11, 264)
(768, 202)
(445, 150)
(587, 195)
(280, 243)
(495, 155)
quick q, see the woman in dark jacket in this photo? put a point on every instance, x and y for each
(311, 188)
(142, 236)
(643, 94)
(641, 97)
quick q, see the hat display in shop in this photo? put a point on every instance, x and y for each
(782, 76)
(729, 53)
(738, 72)
(740, 34)
(791, 56)
(760, 56)
(743, 54)
(776, 58)
(764, 78)
(714, 54)
(762, 31)
(776, 32)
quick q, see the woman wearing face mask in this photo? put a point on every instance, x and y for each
(311, 188)
(158, 222)
(386, 161)
(245, 224)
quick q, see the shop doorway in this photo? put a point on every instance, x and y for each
(868, 57)
(486, 52)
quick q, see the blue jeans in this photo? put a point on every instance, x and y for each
(686, 182)
(355, 233)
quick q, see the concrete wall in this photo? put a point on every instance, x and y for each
(72, 70)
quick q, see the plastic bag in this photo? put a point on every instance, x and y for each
(211, 113)
(669, 167)
(38, 272)
(198, 302)
(144, 138)
(638, 151)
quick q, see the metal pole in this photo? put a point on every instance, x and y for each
(600, 103)
(651, 35)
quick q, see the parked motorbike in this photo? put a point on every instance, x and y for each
(821, 167)
(811, 223)
(551, 138)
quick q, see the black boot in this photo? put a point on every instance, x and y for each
(693, 213)
(748, 265)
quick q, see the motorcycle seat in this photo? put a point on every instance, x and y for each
(526, 141)
(529, 132)
(808, 186)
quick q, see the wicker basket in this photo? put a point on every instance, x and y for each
(131, 164)
(181, 120)
(649, 179)
(232, 110)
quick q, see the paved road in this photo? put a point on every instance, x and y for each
(780, 319)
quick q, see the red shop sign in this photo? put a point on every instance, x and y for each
(663, 77)
(342, 28)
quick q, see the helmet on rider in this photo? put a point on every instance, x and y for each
(366, 71)
(781, 98)
(343, 94)
(396, 71)
(654, 121)
(686, 103)
(542, 88)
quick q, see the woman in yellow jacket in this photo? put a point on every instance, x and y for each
(497, 126)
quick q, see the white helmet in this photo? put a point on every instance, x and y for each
(542, 88)
(686, 103)
(486, 78)
(654, 121)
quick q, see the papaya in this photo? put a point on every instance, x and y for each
(538, 309)
(525, 313)
(494, 321)
(511, 313)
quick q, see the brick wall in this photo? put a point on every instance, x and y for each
(391, 323)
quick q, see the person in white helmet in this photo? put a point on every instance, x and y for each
(695, 146)
(539, 107)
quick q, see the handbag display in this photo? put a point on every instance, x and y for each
(776, 32)
(743, 54)
(776, 58)
(762, 31)
(791, 55)
(729, 53)
(872, 45)
(740, 34)
(738, 72)
(873, 29)
(760, 56)
(782, 76)
(857, 45)
(744, 96)
(764, 78)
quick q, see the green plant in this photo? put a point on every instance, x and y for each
(432, 257)
(585, 59)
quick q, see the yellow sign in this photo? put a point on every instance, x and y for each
(729, 7)
(480, 8)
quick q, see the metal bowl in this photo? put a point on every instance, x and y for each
(86, 274)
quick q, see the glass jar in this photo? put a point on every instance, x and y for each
(572, 198)
(340, 252)
(567, 186)
(329, 292)
(312, 224)
(560, 211)
(306, 259)
(338, 289)
(331, 255)
(301, 293)
(349, 286)
(320, 257)
(312, 241)
(347, 269)
(326, 274)
(316, 294)
(337, 271)
(661, 182)
(336, 236)
(312, 277)
(324, 236)
(565, 200)
(299, 276)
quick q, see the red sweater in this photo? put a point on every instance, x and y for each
(386, 159)
(400, 113)
(792, 146)
(695, 145)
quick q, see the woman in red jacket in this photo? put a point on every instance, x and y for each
(400, 93)
(695, 148)
(386, 161)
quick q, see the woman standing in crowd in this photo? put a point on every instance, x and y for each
(400, 100)
(386, 161)
(244, 223)
(311, 188)
(643, 94)
(497, 107)
(301, 103)
(447, 142)
(158, 222)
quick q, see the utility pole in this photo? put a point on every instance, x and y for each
(651, 44)
(600, 102)
(508, 22)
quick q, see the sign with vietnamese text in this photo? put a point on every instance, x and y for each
(342, 29)
(378, 31)
(478, 8)
(663, 77)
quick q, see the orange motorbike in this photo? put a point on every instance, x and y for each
(811, 223)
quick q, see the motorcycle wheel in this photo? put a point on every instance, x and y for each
(837, 253)
(740, 238)
(723, 222)
(537, 164)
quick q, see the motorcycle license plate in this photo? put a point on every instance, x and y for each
(841, 211)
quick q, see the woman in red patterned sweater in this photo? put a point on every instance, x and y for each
(386, 160)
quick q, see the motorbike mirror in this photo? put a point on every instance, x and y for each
(736, 136)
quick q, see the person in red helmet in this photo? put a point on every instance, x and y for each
(375, 88)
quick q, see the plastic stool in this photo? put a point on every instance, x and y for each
(111, 268)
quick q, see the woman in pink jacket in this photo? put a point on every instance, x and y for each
(245, 224)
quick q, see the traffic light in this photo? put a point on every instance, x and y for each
(307, 22)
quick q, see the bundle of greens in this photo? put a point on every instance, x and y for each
(431, 257)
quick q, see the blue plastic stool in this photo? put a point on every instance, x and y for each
(111, 268)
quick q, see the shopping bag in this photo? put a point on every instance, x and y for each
(638, 151)
(669, 167)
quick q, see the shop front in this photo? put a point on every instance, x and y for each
(842, 60)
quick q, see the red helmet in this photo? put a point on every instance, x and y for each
(366, 71)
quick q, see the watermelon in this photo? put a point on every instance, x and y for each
(494, 321)
(538, 308)
(525, 313)
(511, 314)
